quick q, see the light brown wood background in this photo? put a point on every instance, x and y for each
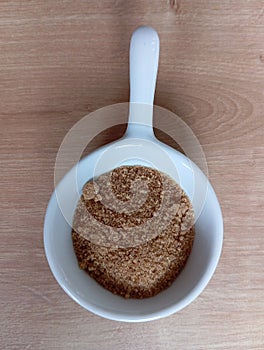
(60, 60)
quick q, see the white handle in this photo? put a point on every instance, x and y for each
(144, 58)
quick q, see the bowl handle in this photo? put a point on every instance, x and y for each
(144, 58)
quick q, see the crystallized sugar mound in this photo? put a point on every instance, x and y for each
(133, 231)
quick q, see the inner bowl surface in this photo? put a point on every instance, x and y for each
(89, 294)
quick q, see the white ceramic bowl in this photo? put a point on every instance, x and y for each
(139, 146)
(89, 294)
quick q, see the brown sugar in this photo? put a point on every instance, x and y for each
(133, 231)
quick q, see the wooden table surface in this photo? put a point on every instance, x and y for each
(60, 60)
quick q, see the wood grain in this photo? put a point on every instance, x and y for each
(60, 60)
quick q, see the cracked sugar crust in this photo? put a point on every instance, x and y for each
(133, 231)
